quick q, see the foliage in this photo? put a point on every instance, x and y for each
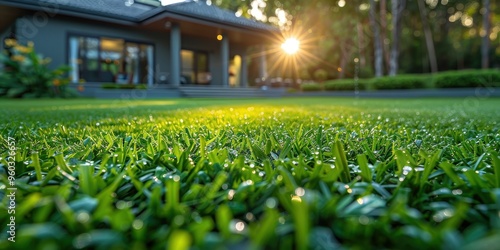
(123, 86)
(334, 37)
(265, 174)
(467, 79)
(320, 75)
(400, 82)
(311, 86)
(26, 74)
(346, 84)
(448, 79)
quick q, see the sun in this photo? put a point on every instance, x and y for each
(291, 46)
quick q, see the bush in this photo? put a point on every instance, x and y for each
(345, 84)
(400, 82)
(467, 79)
(320, 75)
(109, 86)
(123, 86)
(142, 86)
(26, 74)
(126, 86)
(310, 87)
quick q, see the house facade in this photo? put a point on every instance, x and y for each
(132, 42)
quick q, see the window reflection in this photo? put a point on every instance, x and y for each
(103, 59)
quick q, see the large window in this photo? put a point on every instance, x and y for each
(195, 67)
(102, 59)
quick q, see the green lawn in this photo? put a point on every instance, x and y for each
(300, 173)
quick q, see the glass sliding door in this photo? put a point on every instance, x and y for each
(113, 60)
(195, 67)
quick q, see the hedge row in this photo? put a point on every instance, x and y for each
(346, 84)
(123, 86)
(468, 79)
(449, 79)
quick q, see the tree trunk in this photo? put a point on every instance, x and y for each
(376, 41)
(383, 32)
(397, 7)
(428, 36)
(485, 46)
(361, 45)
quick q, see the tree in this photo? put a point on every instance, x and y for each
(397, 7)
(428, 36)
(383, 32)
(378, 50)
(485, 46)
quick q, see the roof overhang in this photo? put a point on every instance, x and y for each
(52, 10)
(8, 15)
(197, 27)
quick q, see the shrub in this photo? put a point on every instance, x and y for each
(123, 86)
(310, 87)
(320, 75)
(345, 84)
(142, 86)
(26, 74)
(126, 86)
(400, 82)
(109, 86)
(467, 79)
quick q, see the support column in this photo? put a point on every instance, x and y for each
(175, 55)
(244, 70)
(263, 64)
(224, 54)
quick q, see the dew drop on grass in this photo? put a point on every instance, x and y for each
(279, 178)
(137, 224)
(83, 217)
(282, 220)
(252, 165)
(82, 240)
(437, 218)
(238, 226)
(262, 173)
(300, 191)
(271, 202)
(230, 194)
(364, 220)
(179, 220)
(448, 212)
(464, 169)
(249, 216)
(457, 192)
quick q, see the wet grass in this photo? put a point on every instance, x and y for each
(253, 173)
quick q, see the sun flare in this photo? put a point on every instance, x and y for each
(291, 46)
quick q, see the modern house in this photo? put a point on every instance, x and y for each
(136, 42)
